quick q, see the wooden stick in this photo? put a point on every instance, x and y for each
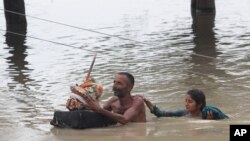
(91, 67)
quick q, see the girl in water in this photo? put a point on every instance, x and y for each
(195, 104)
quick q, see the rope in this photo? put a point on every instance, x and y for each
(86, 49)
(85, 29)
(76, 27)
(45, 40)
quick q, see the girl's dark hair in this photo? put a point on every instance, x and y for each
(198, 96)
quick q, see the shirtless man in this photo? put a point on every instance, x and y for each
(122, 107)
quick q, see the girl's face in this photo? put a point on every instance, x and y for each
(190, 104)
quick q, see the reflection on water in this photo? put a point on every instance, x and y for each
(204, 36)
(204, 44)
(17, 64)
(35, 75)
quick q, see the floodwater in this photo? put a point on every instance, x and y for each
(166, 50)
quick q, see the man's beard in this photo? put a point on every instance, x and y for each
(119, 92)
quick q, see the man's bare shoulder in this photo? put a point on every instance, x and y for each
(138, 98)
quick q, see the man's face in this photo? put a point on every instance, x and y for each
(120, 86)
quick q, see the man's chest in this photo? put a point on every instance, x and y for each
(118, 108)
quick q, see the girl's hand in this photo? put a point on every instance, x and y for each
(210, 115)
(149, 104)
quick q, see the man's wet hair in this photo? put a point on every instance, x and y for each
(198, 96)
(130, 77)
